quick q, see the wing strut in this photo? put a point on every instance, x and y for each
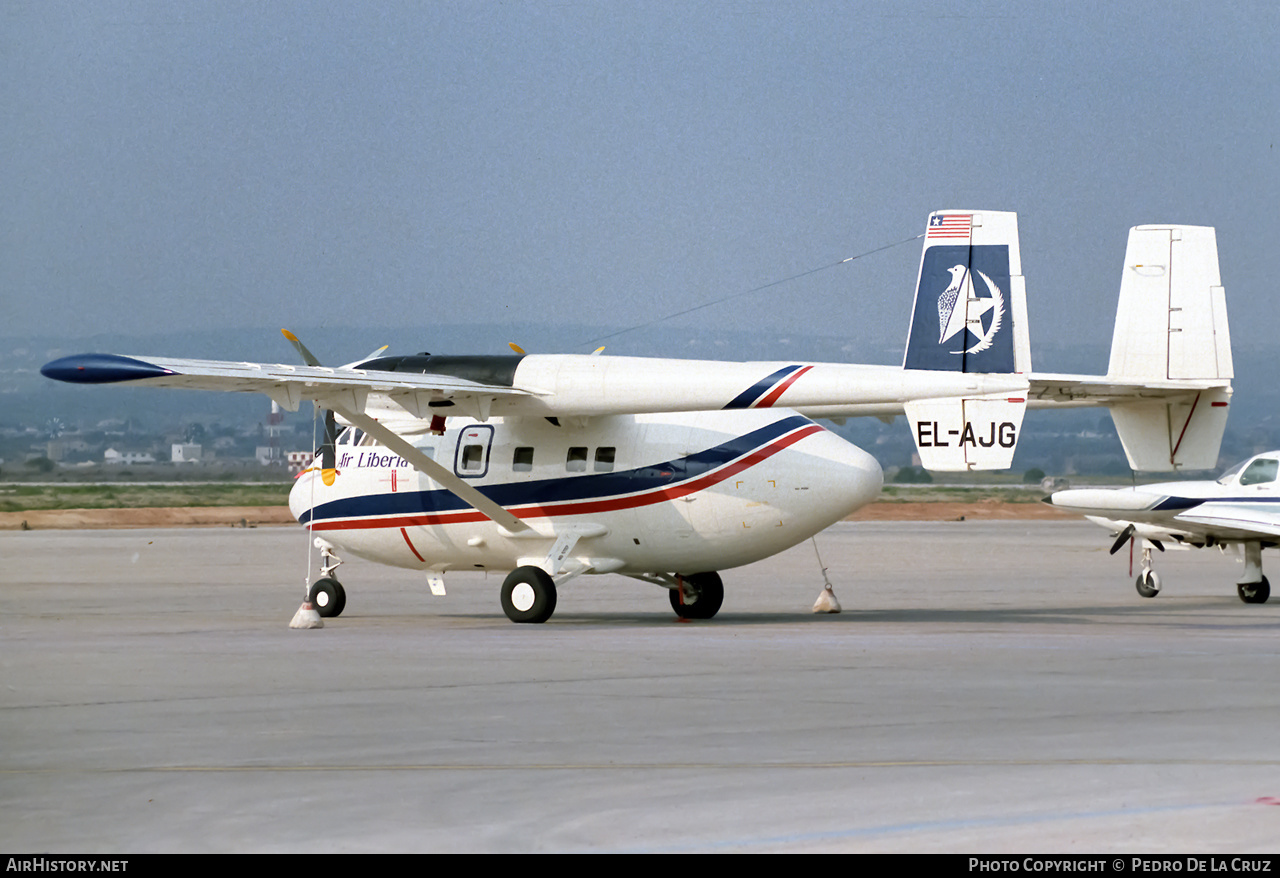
(424, 464)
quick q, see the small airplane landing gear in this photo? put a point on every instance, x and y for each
(698, 596)
(328, 597)
(1254, 592)
(1148, 583)
(528, 595)
(327, 594)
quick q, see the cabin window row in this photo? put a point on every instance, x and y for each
(576, 459)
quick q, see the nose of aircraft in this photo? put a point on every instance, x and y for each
(1104, 501)
(302, 494)
(851, 478)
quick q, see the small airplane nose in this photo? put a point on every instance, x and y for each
(302, 494)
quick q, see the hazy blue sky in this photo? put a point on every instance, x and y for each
(170, 166)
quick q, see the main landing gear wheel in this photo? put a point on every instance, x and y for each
(328, 597)
(699, 597)
(528, 595)
(1254, 592)
(1148, 583)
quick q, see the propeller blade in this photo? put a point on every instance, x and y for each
(328, 449)
(515, 347)
(1120, 540)
(307, 357)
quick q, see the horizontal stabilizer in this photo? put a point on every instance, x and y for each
(958, 434)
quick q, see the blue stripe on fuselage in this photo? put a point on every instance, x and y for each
(594, 486)
(747, 397)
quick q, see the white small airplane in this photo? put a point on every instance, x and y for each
(667, 471)
(1240, 509)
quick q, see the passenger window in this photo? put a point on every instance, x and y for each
(576, 462)
(365, 439)
(604, 459)
(522, 461)
(1259, 472)
(472, 458)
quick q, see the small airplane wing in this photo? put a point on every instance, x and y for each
(1241, 519)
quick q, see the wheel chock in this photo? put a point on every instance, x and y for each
(306, 617)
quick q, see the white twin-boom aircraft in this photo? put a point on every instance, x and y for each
(668, 471)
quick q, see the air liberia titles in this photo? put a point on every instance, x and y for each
(372, 459)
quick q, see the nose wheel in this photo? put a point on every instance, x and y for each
(1254, 592)
(328, 597)
(1148, 583)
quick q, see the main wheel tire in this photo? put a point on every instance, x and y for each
(528, 595)
(703, 593)
(1254, 592)
(1148, 583)
(328, 597)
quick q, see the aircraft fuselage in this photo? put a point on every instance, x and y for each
(684, 492)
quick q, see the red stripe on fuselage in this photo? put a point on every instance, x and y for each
(404, 533)
(583, 507)
(769, 400)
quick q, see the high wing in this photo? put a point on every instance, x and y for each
(420, 395)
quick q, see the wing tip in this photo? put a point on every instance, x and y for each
(101, 369)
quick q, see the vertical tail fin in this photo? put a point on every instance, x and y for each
(970, 315)
(1171, 323)
(970, 311)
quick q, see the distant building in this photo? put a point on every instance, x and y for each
(186, 452)
(111, 456)
(299, 460)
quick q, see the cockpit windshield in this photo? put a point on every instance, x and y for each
(1260, 471)
(1229, 473)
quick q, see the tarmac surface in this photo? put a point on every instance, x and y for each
(991, 687)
